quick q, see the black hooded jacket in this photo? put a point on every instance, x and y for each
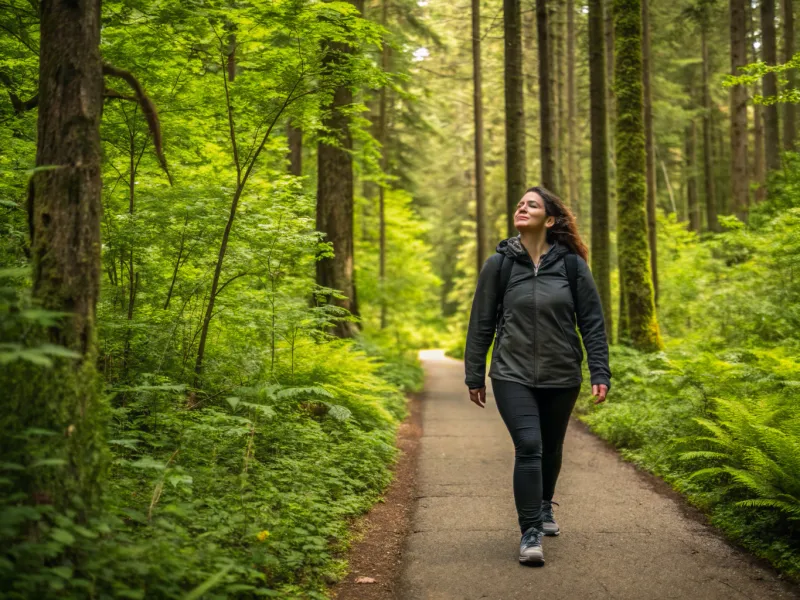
(537, 343)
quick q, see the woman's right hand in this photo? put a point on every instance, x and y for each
(478, 396)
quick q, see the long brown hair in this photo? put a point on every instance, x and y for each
(565, 229)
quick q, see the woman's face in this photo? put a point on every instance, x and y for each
(530, 214)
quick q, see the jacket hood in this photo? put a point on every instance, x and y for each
(513, 248)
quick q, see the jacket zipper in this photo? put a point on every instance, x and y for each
(535, 318)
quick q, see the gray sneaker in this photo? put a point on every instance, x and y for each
(530, 547)
(549, 525)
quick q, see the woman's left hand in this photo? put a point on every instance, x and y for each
(600, 391)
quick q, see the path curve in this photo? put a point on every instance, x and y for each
(621, 539)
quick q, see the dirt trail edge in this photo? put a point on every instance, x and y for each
(621, 538)
(382, 532)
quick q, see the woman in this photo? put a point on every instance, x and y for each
(525, 293)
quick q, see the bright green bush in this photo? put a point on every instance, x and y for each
(254, 491)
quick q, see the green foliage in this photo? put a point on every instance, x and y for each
(721, 429)
(253, 491)
(243, 486)
(716, 414)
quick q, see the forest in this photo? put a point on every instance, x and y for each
(227, 228)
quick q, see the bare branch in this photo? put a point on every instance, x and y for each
(148, 108)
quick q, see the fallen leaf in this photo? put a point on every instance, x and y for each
(365, 580)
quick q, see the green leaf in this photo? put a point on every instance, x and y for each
(53, 350)
(85, 532)
(125, 443)
(31, 431)
(63, 536)
(178, 479)
(48, 462)
(338, 412)
(9, 466)
(207, 584)
(13, 273)
(63, 572)
(148, 462)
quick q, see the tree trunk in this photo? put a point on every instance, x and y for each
(665, 172)
(601, 267)
(649, 144)
(738, 99)
(232, 52)
(634, 254)
(515, 109)
(611, 111)
(335, 198)
(573, 146)
(547, 153)
(770, 56)
(692, 204)
(789, 130)
(64, 205)
(531, 74)
(609, 42)
(559, 81)
(708, 147)
(721, 167)
(477, 105)
(759, 159)
(383, 139)
(759, 167)
(178, 262)
(295, 139)
(133, 275)
(243, 171)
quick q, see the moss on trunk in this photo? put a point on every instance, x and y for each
(634, 253)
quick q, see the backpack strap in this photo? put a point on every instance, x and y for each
(503, 277)
(571, 262)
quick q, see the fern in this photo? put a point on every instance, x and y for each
(695, 454)
(758, 458)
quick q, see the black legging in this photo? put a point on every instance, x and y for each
(537, 420)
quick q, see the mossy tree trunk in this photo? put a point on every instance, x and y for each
(64, 219)
(383, 139)
(598, 120)
(650, 149)
(634, 254)
(335, 195)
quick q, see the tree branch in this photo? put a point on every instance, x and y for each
(231, 125)
(148, 108)
(114, 94)
(235, 277)
(19, 105)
